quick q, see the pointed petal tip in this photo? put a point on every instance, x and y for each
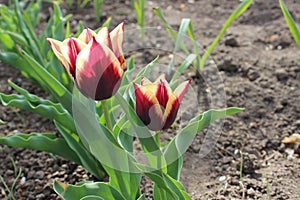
(182, 89)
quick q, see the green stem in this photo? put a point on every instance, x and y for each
(106, 114)
(157, 140)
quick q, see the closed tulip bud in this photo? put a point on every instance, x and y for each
(156, 104)
(94, 61)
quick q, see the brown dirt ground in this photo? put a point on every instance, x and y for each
(259, 64)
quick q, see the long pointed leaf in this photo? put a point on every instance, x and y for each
(42, 142)
(103, 145)
(291, 22)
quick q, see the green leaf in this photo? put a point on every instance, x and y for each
(148, 143)
(6, 40)
(101, 142)
(172, 33)
(179, 144)
(168, 27)
(88, 189)
(181, 33)
(37, 105)
(240, 10)
(139, 7)
(195, 44)
(291, 22)
(16, 61)
(54, 86)
(28, 32)
(87, 160)
(18, 38)
(97, 8)
(42, 142)
(167, 187)
(183, 66)
(2, 122)
(142, 197)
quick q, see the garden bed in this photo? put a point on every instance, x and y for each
(260, 67)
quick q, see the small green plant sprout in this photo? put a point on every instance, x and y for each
(185, 26)
(291, 22)
(83, 3)
(11, 189)
(139, 7)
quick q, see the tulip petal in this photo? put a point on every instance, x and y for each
(117, 37)
(145, 81)
(181, 90)
(98, 71)
(66, 52)
(86, 35)
(171, 112)
(162, 77)
(70, 48)
(103, 37)
(162, 94)
(55, 45)
(148, 108)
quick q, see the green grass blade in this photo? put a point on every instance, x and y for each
(183, 66)
(97, 8)
(139, 7)
(167, 26)
(172, 33)
(240, 10)
(291, 23)
(181, 33)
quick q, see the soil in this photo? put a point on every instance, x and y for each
(258, 62)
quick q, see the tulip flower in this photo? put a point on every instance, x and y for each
(156, 104)
(94, 61)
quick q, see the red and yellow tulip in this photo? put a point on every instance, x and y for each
(156, 104)
(94, 61)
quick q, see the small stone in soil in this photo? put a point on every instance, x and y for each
(232, 42)
(39, 175)
(281, 74)
(222, 178)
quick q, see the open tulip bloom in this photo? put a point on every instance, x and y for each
(94, 61)
(156, 104)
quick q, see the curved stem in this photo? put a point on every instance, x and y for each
(106, 114)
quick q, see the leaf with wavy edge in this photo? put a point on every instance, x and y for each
(39, 106)
(42, 142)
